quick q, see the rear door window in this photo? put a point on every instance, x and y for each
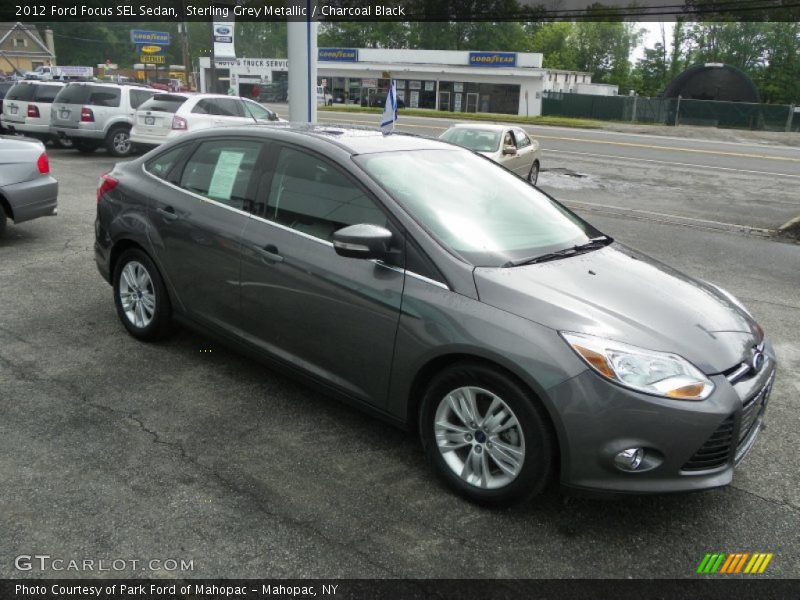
(228, 107)
(102, 96)
(224, 171)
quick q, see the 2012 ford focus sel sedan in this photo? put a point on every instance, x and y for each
(442, 292)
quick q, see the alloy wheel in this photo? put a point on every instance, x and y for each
(137, 294)
(479, 437)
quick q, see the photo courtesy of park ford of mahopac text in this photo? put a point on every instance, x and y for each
(399, 299)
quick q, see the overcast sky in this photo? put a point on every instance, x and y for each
(652, 36)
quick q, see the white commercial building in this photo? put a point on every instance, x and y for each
(449, 80)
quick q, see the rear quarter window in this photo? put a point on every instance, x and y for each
(104, 97)
(47, 93)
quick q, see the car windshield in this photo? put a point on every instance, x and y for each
(474, 207)
(480, 140)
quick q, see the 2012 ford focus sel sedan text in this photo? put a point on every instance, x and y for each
(442, 292)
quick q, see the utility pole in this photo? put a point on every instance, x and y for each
(212, 87)
(187, 64)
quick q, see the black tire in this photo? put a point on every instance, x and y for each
(3, 220)
(533, 175)
(118, 141)
(84, 147)
(61, 142)
(538, 464)
(159, 326)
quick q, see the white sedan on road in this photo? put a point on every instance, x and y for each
(505, 144)
(168, 115)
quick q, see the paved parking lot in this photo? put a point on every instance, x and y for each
(113, 449)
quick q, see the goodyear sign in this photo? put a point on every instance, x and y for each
(492, 59)
(338, 54)
(143, 37)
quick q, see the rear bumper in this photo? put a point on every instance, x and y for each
(138, 137)
(32, 199)
(34, 130)
(76, 132)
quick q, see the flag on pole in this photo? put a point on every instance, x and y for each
(390, 109)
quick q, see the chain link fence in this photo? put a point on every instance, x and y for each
(673, 111)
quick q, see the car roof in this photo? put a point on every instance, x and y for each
(484, 126)
(352, 139)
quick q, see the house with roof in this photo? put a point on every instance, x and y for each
(23, 49)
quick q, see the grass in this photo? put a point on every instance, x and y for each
(490, 117)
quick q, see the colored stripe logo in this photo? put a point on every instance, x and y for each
(737, 562)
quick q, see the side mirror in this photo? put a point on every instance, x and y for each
(362, 241)
(509, 150)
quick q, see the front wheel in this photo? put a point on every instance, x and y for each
(485, 436)
(140, 296)
(533, 175)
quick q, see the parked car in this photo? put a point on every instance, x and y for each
(165, 116)
(95, 114)
(4, 87)
(27, 190)
(378, 100)
(507, 145)
(438, 290)
(26, 110)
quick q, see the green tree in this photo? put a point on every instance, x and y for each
(556, 42)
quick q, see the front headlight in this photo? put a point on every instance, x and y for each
(648, 371)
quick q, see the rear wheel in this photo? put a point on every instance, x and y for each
(118, 141)
(533, 176)
(59, 142)
(3, 220)
(84, 147)
(140, 296)
(485, 436)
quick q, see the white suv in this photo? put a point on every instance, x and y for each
(94, 114)
(26, 109)
(167, 115)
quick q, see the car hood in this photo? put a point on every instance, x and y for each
(620, 294)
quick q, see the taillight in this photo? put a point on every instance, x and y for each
(179, 123)
(43, 164)
(87, 116)
(33, 111)
(105, 185)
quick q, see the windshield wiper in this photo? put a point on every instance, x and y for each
(592, 244)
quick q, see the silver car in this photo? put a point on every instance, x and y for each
(27, 190)
(507, 145)
(97, 114)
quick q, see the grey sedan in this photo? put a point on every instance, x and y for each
(442, 293)
(507, 145)
(27, 190)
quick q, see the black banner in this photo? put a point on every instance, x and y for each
(421, 589)
(394, 10)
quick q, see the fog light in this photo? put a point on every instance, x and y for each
(629, 459)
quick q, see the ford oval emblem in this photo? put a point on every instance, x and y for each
(758, 361)
(223, 30)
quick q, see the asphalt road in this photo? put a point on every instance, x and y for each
(662, 178)
(114, 449)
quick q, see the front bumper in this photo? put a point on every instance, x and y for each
(688, 445)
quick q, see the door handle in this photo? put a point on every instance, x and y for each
(269, 254)
(168, 213)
